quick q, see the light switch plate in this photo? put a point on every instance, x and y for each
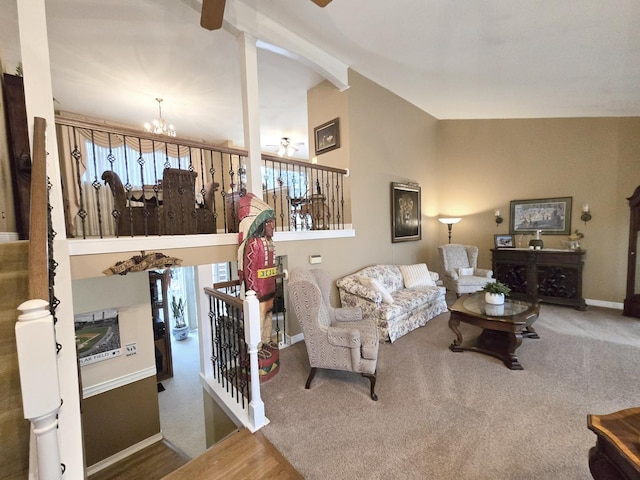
(131, 349)
(315, 259)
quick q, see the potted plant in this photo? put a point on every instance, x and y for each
(180, 328)
(495, 292)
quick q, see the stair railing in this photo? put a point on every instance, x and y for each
(234, 326)
(35, 333)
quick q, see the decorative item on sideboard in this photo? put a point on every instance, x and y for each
(573, 243)
(537, 242)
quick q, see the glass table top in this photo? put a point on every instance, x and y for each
(476, 304)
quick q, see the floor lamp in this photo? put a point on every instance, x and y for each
(449, 221)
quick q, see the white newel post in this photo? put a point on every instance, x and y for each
(251, 309)
(38, 365)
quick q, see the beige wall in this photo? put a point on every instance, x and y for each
(384, 139)
(130, 295)
(119, 417)
(484, 164)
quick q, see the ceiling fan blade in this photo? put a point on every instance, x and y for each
(212, 14)
(321, 3)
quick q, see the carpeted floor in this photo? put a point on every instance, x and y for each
(444, 415)
(181, 403)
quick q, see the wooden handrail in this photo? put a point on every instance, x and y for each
(226, 298)
(266, 157)
(38, 217)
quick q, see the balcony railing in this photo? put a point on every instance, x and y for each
(120, 182)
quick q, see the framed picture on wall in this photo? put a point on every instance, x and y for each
(406, 222)
(97, 335)
(327, 136)
(550, 215)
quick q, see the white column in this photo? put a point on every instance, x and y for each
(38, 91)
(251, 309)
(204, 278)
(251, 110)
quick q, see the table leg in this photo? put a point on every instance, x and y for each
(530, 332)
(454, 323)
(511, 360)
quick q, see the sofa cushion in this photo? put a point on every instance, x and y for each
(464, 271)
(377, 286)
(407, 300)
(416, 276)
(388, 276)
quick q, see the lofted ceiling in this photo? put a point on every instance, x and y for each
(454, 60)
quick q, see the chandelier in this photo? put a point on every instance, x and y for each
(159, 125)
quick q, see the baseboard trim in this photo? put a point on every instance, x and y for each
(9, 237)
(118, 382)
(605, 304)
(121, 455)
(291, 339)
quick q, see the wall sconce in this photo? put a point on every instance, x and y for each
(499, 218)
(449, 221)
(586, 216)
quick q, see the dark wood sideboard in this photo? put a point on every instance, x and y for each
(554, 276)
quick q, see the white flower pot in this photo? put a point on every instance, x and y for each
(494, 298)
(180, 333)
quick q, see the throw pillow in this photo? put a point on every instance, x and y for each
(376, 286)
(416, 276)
(465, 271)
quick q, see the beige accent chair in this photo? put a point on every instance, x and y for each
(460, 269)
(336, 338)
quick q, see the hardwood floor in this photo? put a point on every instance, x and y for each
(151, 463)
(241, 455)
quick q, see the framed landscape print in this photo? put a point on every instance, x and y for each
(503, 241)
(327, 136)
(550, 215)
(405, 212)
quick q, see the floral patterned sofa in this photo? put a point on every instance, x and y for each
(400, 298)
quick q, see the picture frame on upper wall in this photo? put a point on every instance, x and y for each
(327, 136)
(552, 216)
(503, 241)
(406, 219)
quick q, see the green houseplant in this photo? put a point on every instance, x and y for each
(496, 287)
(180, 328)
(495, 292)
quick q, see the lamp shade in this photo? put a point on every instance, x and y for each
(449, 220)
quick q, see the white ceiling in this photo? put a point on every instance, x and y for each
(454, 60)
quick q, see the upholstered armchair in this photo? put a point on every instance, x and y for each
(336, 338)
(460, 269)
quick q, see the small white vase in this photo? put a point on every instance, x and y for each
(494, 298)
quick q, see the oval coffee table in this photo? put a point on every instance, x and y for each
(503, 326)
